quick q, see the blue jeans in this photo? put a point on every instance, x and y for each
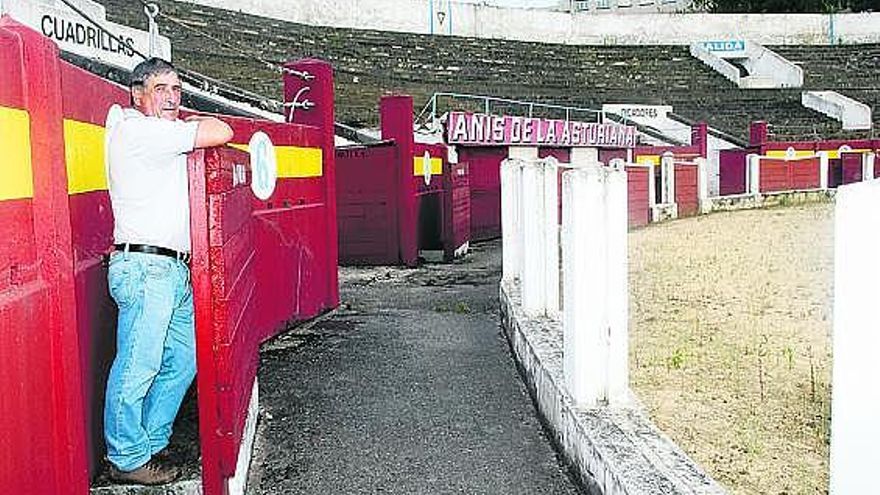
(155, 355)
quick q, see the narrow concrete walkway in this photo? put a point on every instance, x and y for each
(408, 388)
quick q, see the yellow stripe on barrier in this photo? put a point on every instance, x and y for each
(16, 175)
(295, 162)
(419, 170)
(84, 155)
(832, 154)
(648, 159)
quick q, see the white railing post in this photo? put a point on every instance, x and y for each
(581, 157)
(617, 286)
(703, 185)
(855, 401)
(584, 323)
(753, 174)
(667, 174)
(509, 226)
(823, 169)
(519, 219)
(868, 163)
(533, 239)
(551, 236)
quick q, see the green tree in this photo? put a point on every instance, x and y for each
(787, 6)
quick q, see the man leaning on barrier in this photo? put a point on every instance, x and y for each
(149, 275)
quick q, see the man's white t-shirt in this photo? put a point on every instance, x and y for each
(147, 178)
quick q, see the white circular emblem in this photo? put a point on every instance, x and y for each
(264, 169)
(426, 167)
(790, 153)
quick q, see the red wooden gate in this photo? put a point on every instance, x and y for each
(687, 188)
(485, 178)
(457, 223)
(367, 204)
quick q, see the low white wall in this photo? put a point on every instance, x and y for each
(483, 21)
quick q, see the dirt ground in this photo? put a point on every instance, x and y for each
(731, 342)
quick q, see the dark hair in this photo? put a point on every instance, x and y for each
(149, 68)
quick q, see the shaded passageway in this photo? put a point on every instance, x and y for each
(408, 388)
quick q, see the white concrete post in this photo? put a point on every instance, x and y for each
(667, 174)
(703, 185)
(520, 218)
(581, 157)
(652, 185)
(617, 287)
(868, 161)
(753, 174)
(509, 208)
(585, 334)
(855, 401)
(823, 169)
(551, 236)
(533, 247)
(523, 152)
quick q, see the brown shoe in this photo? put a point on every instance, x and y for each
(151, 473)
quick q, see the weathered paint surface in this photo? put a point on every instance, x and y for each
(86, 100)
(639, 211)
(42, 434)
(57, 320)
(367, 205)
(687, 189)
(787, 175)
(485, 180)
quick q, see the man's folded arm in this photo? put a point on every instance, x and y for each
(211, 131)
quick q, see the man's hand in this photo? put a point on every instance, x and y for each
(211, 131)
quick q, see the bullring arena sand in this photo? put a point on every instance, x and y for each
(730, 346)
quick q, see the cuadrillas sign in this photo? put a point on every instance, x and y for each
(507, 130)
(75, 34)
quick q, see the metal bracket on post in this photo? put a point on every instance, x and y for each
(305, 104)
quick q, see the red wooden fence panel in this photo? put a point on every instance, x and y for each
(687, 189)
(804, 174)
(224, 277)
(457, 229)
(732, 172)
(86, 100)
(42, 429)
(485, 178)
(639, 210)
(777, 174)
(851, 164)
(366, 182)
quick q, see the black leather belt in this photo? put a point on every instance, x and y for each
(147, 249)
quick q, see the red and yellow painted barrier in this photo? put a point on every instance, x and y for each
(42, 434)
(57, 329)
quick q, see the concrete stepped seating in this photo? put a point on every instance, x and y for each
(851, 70)
(370, 63)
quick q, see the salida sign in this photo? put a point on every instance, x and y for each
(495, 130)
